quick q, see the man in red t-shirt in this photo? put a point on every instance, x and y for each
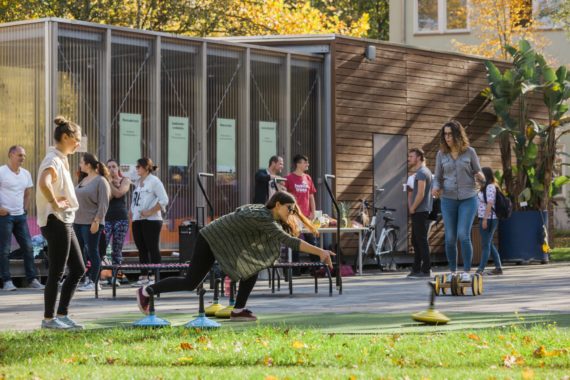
(300, 184)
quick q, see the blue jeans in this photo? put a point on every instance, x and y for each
(17, 225)
(89, 244)
(458, 216)
(487, 246)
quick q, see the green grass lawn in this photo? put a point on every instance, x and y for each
(562, 244)
(515, 347)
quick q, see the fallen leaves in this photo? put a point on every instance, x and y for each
(298, 345)
(474, 337)
(541, 352)
(186, 346)
(509, 361)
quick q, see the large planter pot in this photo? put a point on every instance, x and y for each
(521, 237)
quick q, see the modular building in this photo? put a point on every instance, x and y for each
(224, 106)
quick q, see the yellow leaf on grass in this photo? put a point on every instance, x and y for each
(298, 345)
(186, 360)
(267, 361)
(72, 359)
(541, 352)
(186, 346)
(510, 361)
(474, 337)
(271, 377)
(352, 377)
(528, 374)
(202, 339)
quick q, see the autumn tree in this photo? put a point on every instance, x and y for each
(195, 17)
(498, 23)
(352, 10)
(562, 16)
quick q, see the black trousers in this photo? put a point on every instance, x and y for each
(202, 261)
(420, 226)
(146, 234)
(63, 249)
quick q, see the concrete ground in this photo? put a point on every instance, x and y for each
(532, 288)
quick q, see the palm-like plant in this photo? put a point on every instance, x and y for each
(530, 179)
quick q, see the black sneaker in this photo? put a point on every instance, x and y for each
(419, 275)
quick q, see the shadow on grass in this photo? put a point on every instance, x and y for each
(361, 323)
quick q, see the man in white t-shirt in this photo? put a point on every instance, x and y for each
(15, 189)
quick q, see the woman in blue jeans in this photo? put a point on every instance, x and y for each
(488, 222)
(456, 168)
(93, 193)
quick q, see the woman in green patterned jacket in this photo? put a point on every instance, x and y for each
(243, 242)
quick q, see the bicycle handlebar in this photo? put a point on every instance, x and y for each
(385, 209)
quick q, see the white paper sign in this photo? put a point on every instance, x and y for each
(226, 146)
(130, 130)
(177, 141)
(267, 142)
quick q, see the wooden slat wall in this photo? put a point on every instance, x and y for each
(404, 91)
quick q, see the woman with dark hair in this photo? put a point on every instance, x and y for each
(56, 206)
(148, 203)
(456, 168)
(243, 242)
(117, 218)
(488, 222)
(93, 194)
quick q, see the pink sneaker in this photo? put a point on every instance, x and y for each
(143, 301)
(243, 316)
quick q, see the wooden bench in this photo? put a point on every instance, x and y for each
(290, 266)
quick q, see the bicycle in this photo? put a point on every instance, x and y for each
(385, 244)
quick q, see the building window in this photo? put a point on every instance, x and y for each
(428, 16)
(543, 10)
(441, 16)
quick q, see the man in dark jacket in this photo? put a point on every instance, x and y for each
(265, 185)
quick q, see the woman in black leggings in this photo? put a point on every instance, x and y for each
(243, 242)
(56, 206)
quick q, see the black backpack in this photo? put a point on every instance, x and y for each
(503, 205)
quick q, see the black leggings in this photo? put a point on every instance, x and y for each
(63, 248)
(202, 261)
(146, 234)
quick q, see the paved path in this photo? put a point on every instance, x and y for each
(533, 288)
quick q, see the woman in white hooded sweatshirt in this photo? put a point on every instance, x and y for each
(148, 202)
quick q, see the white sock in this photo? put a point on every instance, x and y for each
(145, 293)
(237, 311)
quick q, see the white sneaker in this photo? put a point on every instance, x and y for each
(9, 286)
(89, 287)
(141, 282)
(35, 284)
(151, 280)
(465, 277)
(449, 277)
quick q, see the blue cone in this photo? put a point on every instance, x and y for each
(202, 322)
(151, 320)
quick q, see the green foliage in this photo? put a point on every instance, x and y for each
(532, 178)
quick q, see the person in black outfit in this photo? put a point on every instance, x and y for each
(265, 187)
(420, 207)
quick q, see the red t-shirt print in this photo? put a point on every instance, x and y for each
(301, 187)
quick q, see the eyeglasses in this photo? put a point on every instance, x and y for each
(291, 209)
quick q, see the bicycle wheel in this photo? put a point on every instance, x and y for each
(387, 247)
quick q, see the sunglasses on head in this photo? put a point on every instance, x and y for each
(291, 209)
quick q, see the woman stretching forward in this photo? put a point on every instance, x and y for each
(243, 242)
